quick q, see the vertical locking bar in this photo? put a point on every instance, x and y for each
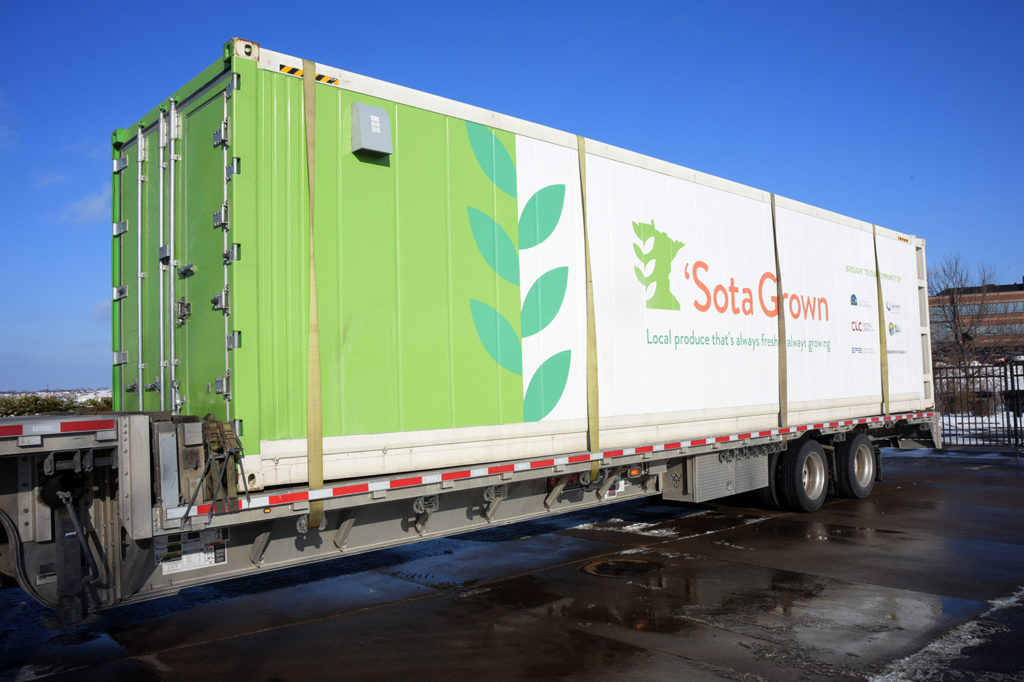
(140, 155)
(172, 159)
(162, 140)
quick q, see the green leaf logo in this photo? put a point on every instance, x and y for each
(493, 158)
(546, 387)
(538, 220)
(495, 245)
(544, 300)
(655, 251)
(497, 335)
(540, 215)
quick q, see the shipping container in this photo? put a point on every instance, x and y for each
(451, 248)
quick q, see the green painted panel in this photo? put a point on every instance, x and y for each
(244, 274)
(397, 264)
(129, 278)
(149, 285)
(200, 341)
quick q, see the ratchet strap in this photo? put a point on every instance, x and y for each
(314, 411)
(882, 344)
(592, 403)
(783, 371)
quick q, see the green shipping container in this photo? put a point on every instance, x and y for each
(419, 303)
(457, 324)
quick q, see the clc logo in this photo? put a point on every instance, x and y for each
(860, 326)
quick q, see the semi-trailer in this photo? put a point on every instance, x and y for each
(349, 315)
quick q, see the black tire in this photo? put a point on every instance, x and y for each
(802, 477)
(855, 467)
(768, 497)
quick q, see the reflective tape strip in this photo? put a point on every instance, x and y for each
(437, 478)
(46, 428)
(296, 71)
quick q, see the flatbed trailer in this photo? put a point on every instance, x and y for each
(472, 269)
(82, 529)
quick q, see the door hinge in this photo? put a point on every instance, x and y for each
(220, 301)
(120, 164)
(220, 135)
(222, 385)
(233, 168)
(232, 254)
(120, 357)
(234, 84)
(120, 228)
(175, 117)
(141, 143)
(182, 309)
(234, 340)
(120, 292)
(163, 135)
(220, 217)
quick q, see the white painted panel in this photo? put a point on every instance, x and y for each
(897, 261)
(539, 165)
(830, 298)
(677, 351)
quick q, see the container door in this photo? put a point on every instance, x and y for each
(201, 288)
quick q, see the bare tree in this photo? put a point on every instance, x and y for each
(973, 329)
(960, 305)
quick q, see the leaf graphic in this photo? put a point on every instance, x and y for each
(546, 387)
(498, 337)
(649, 291)
(544, 300)
(495, 245)
(492, 156)
(648, 246)
(649, 267)
(540, 215)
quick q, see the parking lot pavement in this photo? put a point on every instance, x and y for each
(922, 580)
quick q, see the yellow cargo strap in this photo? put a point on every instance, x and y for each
(882, 344)
(314, 411)
(593, 444)
(783, 370)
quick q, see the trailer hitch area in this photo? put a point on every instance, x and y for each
(423, 507)
(223, 457)
(493, 495)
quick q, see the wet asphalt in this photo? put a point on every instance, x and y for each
(924, 580)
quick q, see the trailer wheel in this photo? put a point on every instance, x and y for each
(855, 464)
(802, 480)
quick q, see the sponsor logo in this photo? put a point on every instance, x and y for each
(860, 350)
(892, 307)
(859, 302)
(861, 326)
(894, 329)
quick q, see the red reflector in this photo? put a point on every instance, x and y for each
(289, 497)
(95, 425)
(10, 430)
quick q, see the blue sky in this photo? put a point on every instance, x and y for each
(906, 114)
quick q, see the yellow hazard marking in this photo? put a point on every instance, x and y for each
(296, 71)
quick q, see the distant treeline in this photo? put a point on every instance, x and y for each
(30, 403)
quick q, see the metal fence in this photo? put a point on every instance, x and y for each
(981, 404)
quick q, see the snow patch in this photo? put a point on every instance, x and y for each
(938, 654)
